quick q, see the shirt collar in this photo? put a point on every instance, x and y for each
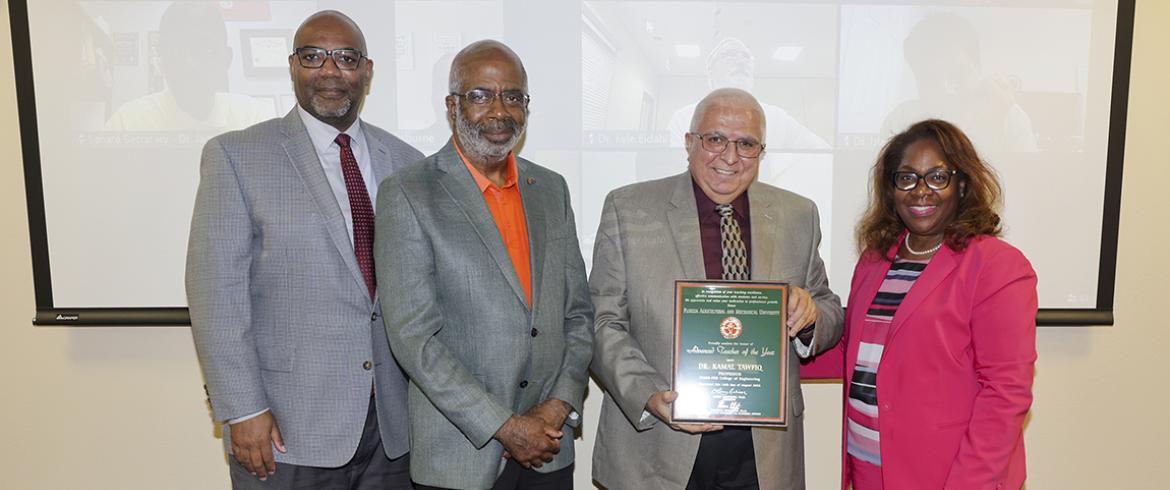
(322, 134)
(706, 206)
(481, 180)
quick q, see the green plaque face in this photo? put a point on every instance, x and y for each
(731, 353)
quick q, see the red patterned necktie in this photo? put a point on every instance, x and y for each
(362, 210)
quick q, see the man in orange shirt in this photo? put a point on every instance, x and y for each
(484, 293)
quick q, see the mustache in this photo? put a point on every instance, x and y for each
(472, 136)
(497, 125)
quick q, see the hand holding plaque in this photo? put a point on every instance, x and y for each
(660, 404)
(731, 353)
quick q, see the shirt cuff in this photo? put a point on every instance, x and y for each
(805, 341)
(246, 417)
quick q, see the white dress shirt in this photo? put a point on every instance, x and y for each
(329, 153)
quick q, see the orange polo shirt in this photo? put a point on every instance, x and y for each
(508, 212)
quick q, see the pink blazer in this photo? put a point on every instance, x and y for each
(955, 380)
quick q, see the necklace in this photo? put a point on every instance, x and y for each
(924, 252)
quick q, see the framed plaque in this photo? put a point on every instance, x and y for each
(730, 353)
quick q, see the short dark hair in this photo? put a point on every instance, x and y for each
(940, 34)
(880, 226)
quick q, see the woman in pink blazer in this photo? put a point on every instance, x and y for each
(940, 336)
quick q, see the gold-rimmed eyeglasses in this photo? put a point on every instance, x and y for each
(716, 143)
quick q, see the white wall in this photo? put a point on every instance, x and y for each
(122, 408)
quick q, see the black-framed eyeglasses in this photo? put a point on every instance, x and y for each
(716, 143)
(937, 179)
(483, 96)
(345, 58)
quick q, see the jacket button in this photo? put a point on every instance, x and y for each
(524, 384)
(367, 365)
(373, 316)
(535, 332)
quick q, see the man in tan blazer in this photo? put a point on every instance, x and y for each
(653, 233)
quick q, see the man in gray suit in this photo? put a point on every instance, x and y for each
(688, 227)
(487, 307)
(281, 287)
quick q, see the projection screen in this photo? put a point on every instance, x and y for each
(116, 102)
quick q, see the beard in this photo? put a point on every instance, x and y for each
(324, 110)
(472, 140)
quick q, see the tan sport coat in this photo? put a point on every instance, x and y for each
(648, 238)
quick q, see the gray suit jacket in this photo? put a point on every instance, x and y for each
(458, 320)
(280, 313)
(648, 238)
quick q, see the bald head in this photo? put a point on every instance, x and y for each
(329, 21)
(479, 52)
(727, 98)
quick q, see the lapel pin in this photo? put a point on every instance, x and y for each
(531, 181)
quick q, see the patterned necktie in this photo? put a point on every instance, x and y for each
(735, 261)
(363, 212)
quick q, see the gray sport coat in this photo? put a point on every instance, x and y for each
(458, 320)
(647, 239)
(279, 311)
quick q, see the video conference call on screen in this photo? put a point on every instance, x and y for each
(127, 92)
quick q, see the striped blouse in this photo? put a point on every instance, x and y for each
(863, 438)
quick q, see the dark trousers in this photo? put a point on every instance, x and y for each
(726, 461)
(515, 477)
(368, 470)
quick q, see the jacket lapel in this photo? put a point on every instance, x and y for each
(304, 159)
(683, 217)
(863, 294)
(532, 195)
(383, 165)
(763, 219)
(380, 159)
(461, 188)
(872, 274)
(937, 271)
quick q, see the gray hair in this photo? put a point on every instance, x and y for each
(723, 96)
(475, 50)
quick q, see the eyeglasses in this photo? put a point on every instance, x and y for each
(716, 143)
(937, 179)
(483, 96)
(345, 59)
